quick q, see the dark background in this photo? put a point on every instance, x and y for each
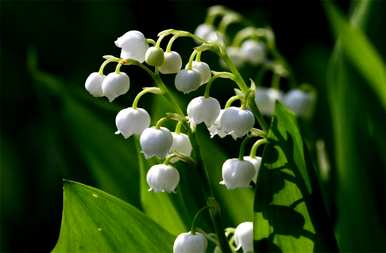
(69, 38)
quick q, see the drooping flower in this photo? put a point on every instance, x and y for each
(253, 51)
(265, 99)
(237, 173)
(300, 102)
(162, 178)
(115, 85)
(236, 121)
(94, 84)
(256, 161)
(133, 45)
(181, 144)
(187, 80)
(172, 64)
(244, 236)
(203, 110)
(190, 243)
(130, 121)
(203, 69)
(156, 142)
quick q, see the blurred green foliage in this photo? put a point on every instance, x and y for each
(52, 129)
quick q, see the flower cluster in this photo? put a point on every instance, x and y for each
(250, 46)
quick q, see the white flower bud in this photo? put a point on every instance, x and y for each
(244, 236)
(253, 51)
(181, 144)
(203, 31)
(237, 173)
(156, 142)
(162, 178)
(237, 122)
(190, 243)
(187, 80)
(256, 164)
(300, 102)
(216, 128)
(172, 64)
(133, 44)
(132, 121)
(154, 56)
(265, 99)
(94, 84)
(203, 69)
(202, 109)
(115, 85)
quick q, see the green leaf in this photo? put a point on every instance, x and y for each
(94, 221)
(357, 122)
(359, 50)
(289, 211)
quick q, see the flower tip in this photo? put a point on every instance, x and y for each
(117, 132)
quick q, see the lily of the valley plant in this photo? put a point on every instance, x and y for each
(243, 116)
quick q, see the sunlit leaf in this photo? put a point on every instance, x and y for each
(94, 221)
(289, 212)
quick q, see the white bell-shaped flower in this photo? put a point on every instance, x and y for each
(190, 243)
(203, 110)
(115, 84)
(237, 173)
(181, 144)
(244, 236)
(172, 64)
(130, 121)
(253, 51)
(154, 56)
(236, 121)
(162, 178)
(156, 142)
(300, 102)
(133, 45)
(235, 55)
(265, 99)
(203, 31)
(203, 69)
(216, 128)
(94, 84)
(256, 161)
(187, 80)
(215, 37)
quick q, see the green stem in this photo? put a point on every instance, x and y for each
(178, 127)
(104, 64)
(171, 41)
(231, 100)
(160, 122)
(195, 218)
(243, 146)
(153, 90)
(255, 146)
(118, 68)
(191, 58)
(214, 77)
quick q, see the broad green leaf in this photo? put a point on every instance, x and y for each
(94, 221)
(357, 122)
(289, 212)
(359, 50)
